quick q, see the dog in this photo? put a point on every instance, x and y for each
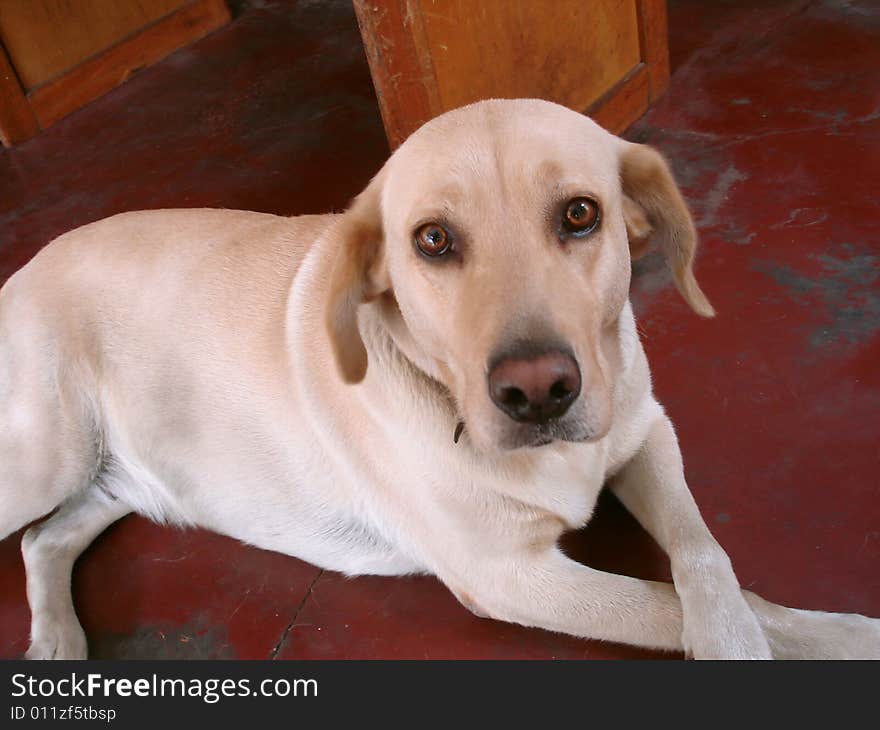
(439, 380)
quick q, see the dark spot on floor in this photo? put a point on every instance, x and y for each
(197, 641)
(844, 286)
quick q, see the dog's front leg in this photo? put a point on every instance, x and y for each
(718, 622)
(545, 589)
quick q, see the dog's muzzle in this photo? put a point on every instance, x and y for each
(537, 388)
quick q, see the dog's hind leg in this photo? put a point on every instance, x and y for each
(50, 550)
(40, 468)
(50, 445)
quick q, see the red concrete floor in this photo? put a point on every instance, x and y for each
(772, 123)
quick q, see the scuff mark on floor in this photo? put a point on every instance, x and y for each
(713, 201)
(846, 287)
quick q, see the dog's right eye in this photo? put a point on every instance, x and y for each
(580, 217)
(433, 239)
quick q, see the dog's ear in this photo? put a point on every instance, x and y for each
(654, 210)
(358, 275)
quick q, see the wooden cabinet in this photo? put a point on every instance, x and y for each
(607, 58)
(57, 55)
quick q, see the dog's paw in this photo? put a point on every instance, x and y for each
(730, 631)
(864, 636)
(734, 645)
(795, 633)
(818, 635)
(57, 640)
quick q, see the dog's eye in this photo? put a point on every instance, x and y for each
(581, 216)
(433, 239)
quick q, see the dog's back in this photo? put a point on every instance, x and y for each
(70, 315)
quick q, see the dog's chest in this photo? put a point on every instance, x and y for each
(462, 496)
(563, 481)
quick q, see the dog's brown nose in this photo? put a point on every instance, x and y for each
(535, 389)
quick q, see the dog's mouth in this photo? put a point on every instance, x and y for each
(533, 436)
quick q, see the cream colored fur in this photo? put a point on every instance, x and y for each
(296, 382)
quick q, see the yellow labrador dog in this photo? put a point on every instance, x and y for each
(439, 380)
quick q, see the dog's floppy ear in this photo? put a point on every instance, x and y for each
(654, 210)
(358, 275)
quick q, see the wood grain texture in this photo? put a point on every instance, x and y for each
(625, 102)
(567, 51)
(401, 68)
(654, 41)
(101, 73)
(17, 121)
(45, 38)
(428, 56)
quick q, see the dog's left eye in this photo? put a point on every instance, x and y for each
(433, 239)
(581, 216)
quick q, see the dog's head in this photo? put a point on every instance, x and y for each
(497, 243)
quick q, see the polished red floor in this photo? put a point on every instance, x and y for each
(772, 123)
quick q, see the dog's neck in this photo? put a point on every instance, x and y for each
(384, 314)
(389, 342)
